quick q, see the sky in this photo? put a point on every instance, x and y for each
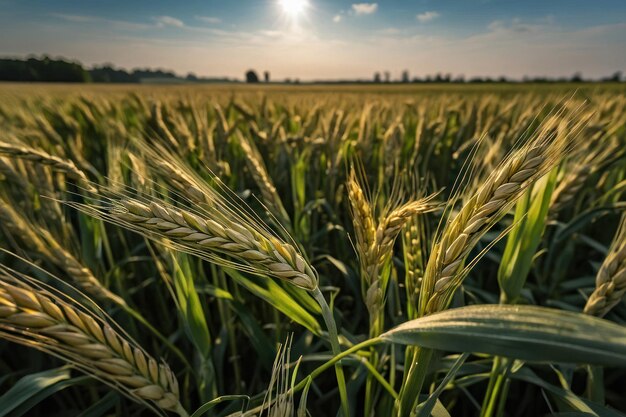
(323, 39)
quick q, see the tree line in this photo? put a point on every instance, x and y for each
(46, 69)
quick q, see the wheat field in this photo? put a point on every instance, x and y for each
(313, 250)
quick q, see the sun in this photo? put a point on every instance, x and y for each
(293, 8)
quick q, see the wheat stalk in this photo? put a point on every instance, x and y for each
(600, 151)
(363, 221)
(42, 242)
(484, 208)
(391, 226)
(10, 173)
(160, 126)
(262, 178)
(177, 177)
(212, 235)
(31, 154)
(375, 240)
(611, 277)
(414, 244)
(36, 318)
(569, 187)
(590, 159)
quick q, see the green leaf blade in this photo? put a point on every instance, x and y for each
(529, 333)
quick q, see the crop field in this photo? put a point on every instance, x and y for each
(378, 251)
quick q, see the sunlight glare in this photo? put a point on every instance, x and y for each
(293, 8)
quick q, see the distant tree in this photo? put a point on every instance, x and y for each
(387, 76)
(615, 78)
(405, 76)
(147, 73)
(252, 77)
(576, 78)
(108, 74)
(42, 69)
(266, 76)
(377, 77)
(191, 77)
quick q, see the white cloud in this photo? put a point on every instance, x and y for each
(516, 25)
(212, 20)
(168, 21)
(337, 18)
(364, 8)
(117, 24)
(427, 16)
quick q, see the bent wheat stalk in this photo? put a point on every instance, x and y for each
(268, 254)
(31, 154)
(221, 232)
(611, 278)
(36, 318)
(212, 235)
(44, 243)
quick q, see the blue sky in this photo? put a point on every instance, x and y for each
(326, 39)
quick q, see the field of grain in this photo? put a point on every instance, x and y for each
(313, 251)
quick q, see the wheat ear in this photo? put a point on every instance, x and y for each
(362, 219)
(178, 177)
(43, 243)
(482, 210)
(160, 126)
(414, 244)
(36, 318)
(568, 188)
(213, 237)
(595, 156)
(41, 157)
(9, 173)
(262, 178)
(374, 240)
(611, 278)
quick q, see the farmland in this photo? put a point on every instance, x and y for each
(363, 250)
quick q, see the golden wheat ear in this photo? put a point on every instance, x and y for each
(35, 316)
(41, 240)
(611, 278)
(223, 231)
(486, 205)
(21, 151)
